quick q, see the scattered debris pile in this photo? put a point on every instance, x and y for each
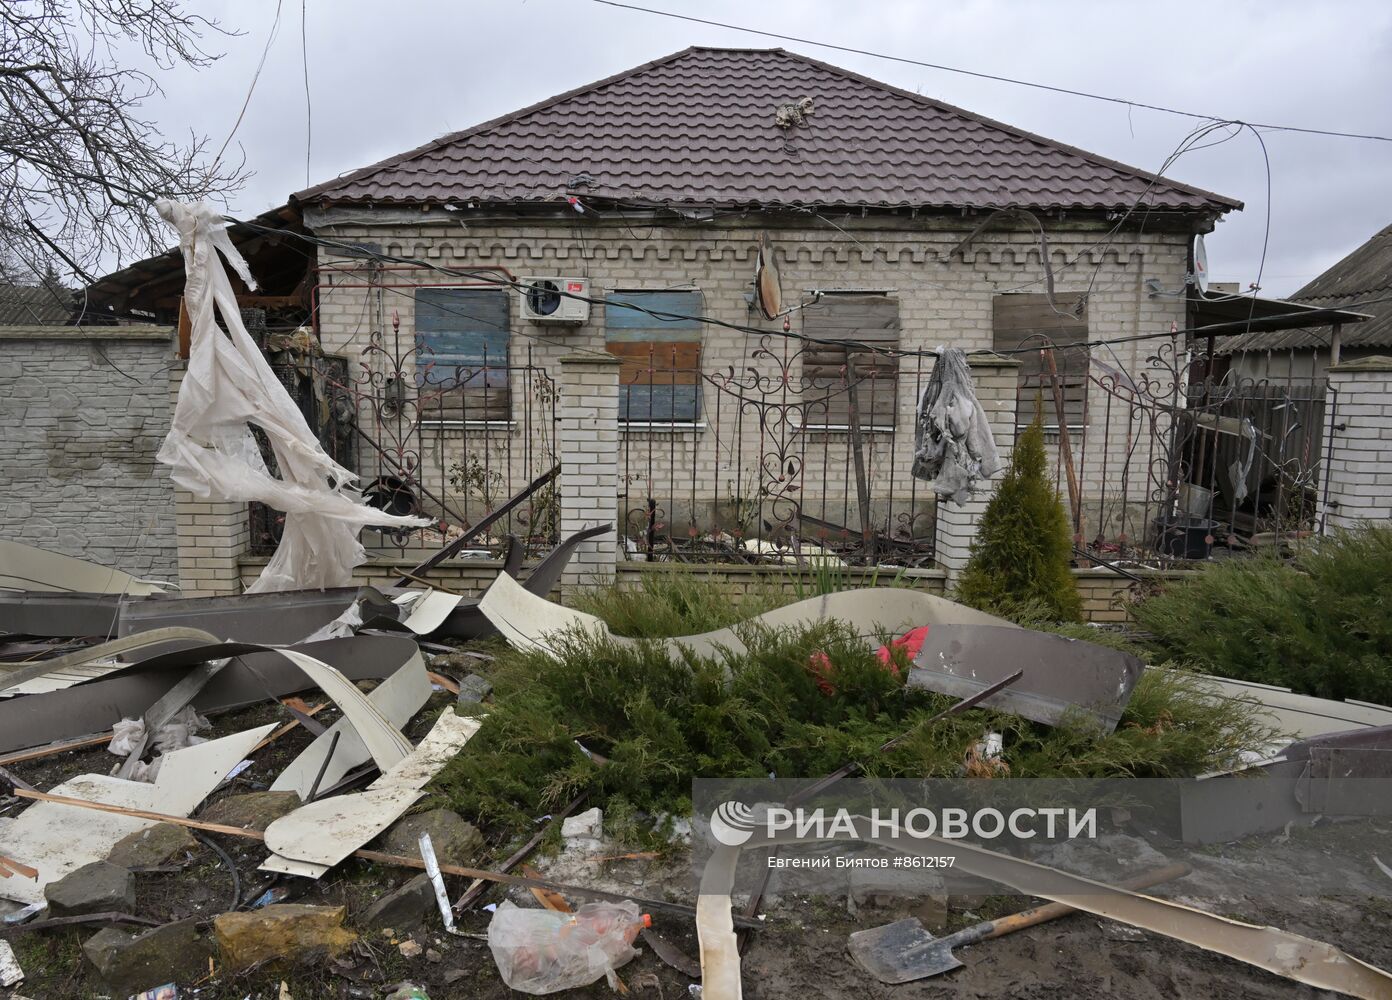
(257, 745)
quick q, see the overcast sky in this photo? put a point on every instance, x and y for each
(385, 77)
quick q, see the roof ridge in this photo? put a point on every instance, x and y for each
(1047, 143)
(1013, 129)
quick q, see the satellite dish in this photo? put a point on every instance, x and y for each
(1200, 264)
(766, 283)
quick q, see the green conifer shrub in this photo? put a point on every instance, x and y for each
(1023, 546)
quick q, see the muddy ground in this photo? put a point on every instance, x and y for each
(800, 952)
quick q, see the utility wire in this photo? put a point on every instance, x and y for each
(990, 76)
(308, 106)
(270, 38)
(493, 278)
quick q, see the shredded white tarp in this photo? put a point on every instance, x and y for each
(179, 732)
(228, 386)
(953, 445)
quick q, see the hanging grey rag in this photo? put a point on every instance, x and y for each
(953, 446)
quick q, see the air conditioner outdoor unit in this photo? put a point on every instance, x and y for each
(551, 300)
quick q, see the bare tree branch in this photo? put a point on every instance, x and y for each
(80, 165)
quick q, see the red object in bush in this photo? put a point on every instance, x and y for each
(819, 664)
(910, 642)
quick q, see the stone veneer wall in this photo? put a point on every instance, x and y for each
(84, 410)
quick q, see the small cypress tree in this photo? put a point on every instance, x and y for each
(1023, 547)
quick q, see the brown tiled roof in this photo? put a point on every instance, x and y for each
(1362, 276)
(697, 128)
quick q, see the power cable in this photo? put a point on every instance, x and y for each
(493, 278)
(309, 107)
(991, 76)
(270, 38)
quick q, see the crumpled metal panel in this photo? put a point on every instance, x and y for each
(1062, 676)
(96, 706)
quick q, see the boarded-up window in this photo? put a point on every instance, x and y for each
(1028, 320)
(462, 368)
(850, 333)
(661, 374)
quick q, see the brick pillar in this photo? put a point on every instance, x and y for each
(995, 380)
(1357, 481)
(212, 535)
(589, 454)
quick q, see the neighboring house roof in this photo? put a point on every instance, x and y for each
(25, 305)
(1363, 275)
(697, 128)
(154, 286)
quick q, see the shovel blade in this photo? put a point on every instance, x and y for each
(901, 952)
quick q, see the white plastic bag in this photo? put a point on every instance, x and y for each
(229, 385)
(542, 951)
(126, 736)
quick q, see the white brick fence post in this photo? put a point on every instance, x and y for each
(1357, 477)
(212, 536)
(589, 455)
(995, 378)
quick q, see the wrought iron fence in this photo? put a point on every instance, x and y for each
(772, 464)
(450, 442)
(1189, 457)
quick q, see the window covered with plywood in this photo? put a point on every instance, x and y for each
(462, 362)
(1028, 320)
(847, 361)
(660, 380)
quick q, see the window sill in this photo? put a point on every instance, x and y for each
(661, 426)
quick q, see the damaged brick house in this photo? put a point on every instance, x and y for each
(650, 201)
(892, 219)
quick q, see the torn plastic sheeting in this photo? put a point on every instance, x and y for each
(530, 622)
(320, 834)
(1062, 675)
(39, 719)
(128, 736)
(58, 839)
(1293, 956)
(25, 567)
(953, 444)
(172, 707)
(228, 386)
(397, 698)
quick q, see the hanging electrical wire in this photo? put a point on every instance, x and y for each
(992, 76)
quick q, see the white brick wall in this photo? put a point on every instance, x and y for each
(589, 455)
(212, 535)
(84, 412)
(1358, 435)
(723, 464)
(996, 390)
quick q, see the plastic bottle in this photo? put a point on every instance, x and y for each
(542, 951)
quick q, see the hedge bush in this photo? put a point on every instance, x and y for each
(1320, 625)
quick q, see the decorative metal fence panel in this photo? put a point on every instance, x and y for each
(1182, 459)
(779, 465)
(446, 441)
